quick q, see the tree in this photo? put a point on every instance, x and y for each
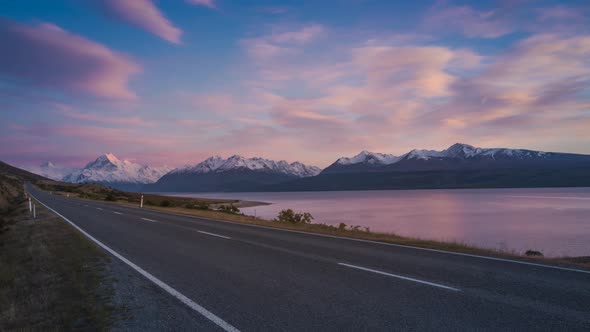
(290, 216)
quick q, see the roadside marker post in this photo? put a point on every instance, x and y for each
(34, 211)
(141, 202)
(30, 205)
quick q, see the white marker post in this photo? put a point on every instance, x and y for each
(34, 211)
(30, 205)
(141, 202)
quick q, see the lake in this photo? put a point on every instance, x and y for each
(555, 221)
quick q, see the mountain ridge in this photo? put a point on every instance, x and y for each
(109, 170)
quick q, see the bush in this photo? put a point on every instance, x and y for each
(148, 202)
(534, 253)
(229, 209)
(110, 198)
(196, 206)
(294, 218)
(165, 203)
(342, 227)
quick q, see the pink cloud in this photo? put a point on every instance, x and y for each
(145, 15)
(102, 118)
(301, 36)
(205, 3)
(47, 55)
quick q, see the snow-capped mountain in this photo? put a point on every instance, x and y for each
(235, 162)
(456, 156)
(465, 151)
(108, 169)
(50, 170)
(369, 158)
(235, 173)
(458, 166)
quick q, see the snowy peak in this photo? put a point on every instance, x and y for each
(107, 168)
(50, 170)
(458, 152)
(466, 151)
(236, 162)
(369, 158)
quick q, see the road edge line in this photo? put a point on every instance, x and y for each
(190, 303)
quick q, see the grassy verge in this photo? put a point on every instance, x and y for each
(362, 234)
(102, 193)
(51, 277)
(206, 208)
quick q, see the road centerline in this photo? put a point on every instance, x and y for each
(147, 219)
(115, 212)
(213, 234)
(400, 277)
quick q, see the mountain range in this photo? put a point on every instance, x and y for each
(235, 173)
(459, 166)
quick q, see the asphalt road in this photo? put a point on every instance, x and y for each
(257, 279)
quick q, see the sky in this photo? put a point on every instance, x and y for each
(172, 82)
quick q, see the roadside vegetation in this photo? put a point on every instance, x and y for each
(103, 193)
(228, 210)
(51, 277)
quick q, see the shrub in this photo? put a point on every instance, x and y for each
(148, 202)
(165, 203)
(534, 253)
(110, 198)
(295, 218)
(342, 227)
(196, 206)
(228, 209)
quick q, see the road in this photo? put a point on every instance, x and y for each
(248, 278)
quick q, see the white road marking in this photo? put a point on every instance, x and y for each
(99, 209)
(190, 303)
(146, 219)
(85, 205)
(400, 277)
(213, 234)
(115, 212)
(507, 260)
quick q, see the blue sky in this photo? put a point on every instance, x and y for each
(173, 82)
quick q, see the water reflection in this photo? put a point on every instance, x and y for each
(555, 220)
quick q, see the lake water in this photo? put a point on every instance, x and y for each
(555, 221)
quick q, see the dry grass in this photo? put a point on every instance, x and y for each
(51, 278)
(102, 193)
(202, 207)
(361, 234)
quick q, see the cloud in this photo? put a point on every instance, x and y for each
(275, 10)
(145, 15)
(394, 96)
(47, 55)
(541, 81)
(103, 117)
(205, 3)
(281, 43)
(469, 21)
